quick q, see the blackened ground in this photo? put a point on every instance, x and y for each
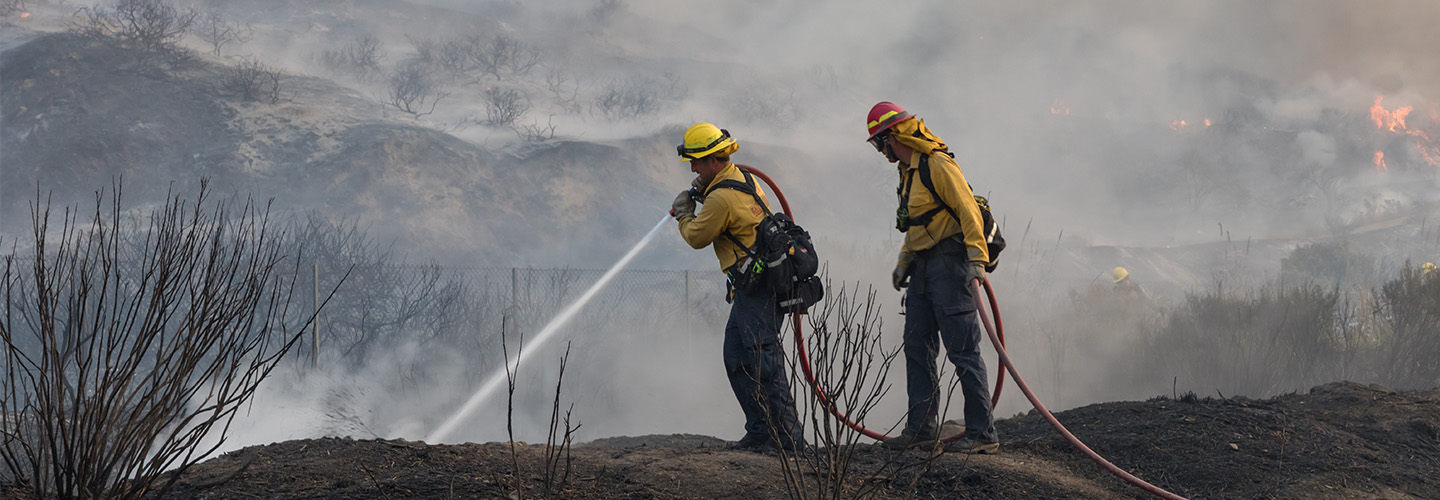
(1340, 440)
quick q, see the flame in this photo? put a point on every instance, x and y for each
(1388, 120)
(1394, 121)
(1380, 160)
(1059, 108)
(1430, 153)
(1178, 125)
(24, 15)
(1207, 123)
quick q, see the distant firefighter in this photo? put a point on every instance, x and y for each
(1126, 286)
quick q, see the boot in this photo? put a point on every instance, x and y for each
(913, 439)
(970, 446)
(752, 442)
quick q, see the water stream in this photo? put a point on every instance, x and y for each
(536, 342)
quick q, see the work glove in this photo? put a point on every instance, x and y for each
(683, 206)
(974, 270)
(900, 276)
(699, 185)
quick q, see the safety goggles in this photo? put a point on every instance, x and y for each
(688, 152)
(879, 140)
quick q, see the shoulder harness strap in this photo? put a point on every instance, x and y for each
(747, 187)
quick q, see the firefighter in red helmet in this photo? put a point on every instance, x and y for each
(943, 253)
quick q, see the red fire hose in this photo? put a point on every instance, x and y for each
(997, 337)
(804, 355)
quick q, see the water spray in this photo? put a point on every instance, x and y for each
(535, 343)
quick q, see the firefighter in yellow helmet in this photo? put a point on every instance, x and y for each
(944, 251)
(1126, 286)
(754, 356)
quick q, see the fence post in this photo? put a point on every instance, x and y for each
(690, 315)
(315, 327)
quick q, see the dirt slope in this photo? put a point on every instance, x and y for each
(1340, 441)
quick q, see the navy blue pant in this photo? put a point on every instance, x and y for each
(755, 364)
(939, 308)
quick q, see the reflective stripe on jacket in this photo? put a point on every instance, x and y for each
(954, 191)
(725, 209)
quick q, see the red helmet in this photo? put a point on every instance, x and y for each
(883, 116)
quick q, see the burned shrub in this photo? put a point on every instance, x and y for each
(130, 346)
(475, 56)
(536, 133)
(359, 58)
(504, 107)
(503, 55)
(565, 89)
(152, 26)
(412, 88)
(216, 31)
(252, 80)
(1326, 264)
(8, 7)
(1410, 328)
(1259, 344)
(636, 98)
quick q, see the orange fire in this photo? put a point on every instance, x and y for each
(1394, 121)
(1389, 119)
(1059, 108)
(1207, 123)
(1380, 160)
(1178, 125)
(24, 15)
(1431, 154)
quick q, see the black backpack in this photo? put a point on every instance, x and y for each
(783, 258)
(994, 242)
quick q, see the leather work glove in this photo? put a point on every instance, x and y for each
(900, 276)
(974, 270)
(699, 185)
(683, 206)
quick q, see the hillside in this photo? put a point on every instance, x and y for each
(1339, 441)
(80, 114)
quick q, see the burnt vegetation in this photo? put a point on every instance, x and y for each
(251, 80)
(360, 58)
(503, 107)
(131, 344)
(413, 89)
(218, 32)
(1288, 335)
(154, 27)
(8, 7)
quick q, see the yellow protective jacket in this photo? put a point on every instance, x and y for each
(725, 209)
(953, 190)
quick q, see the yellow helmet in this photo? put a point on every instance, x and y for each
(1119, 274)
(704, 139)
(1427, 268)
